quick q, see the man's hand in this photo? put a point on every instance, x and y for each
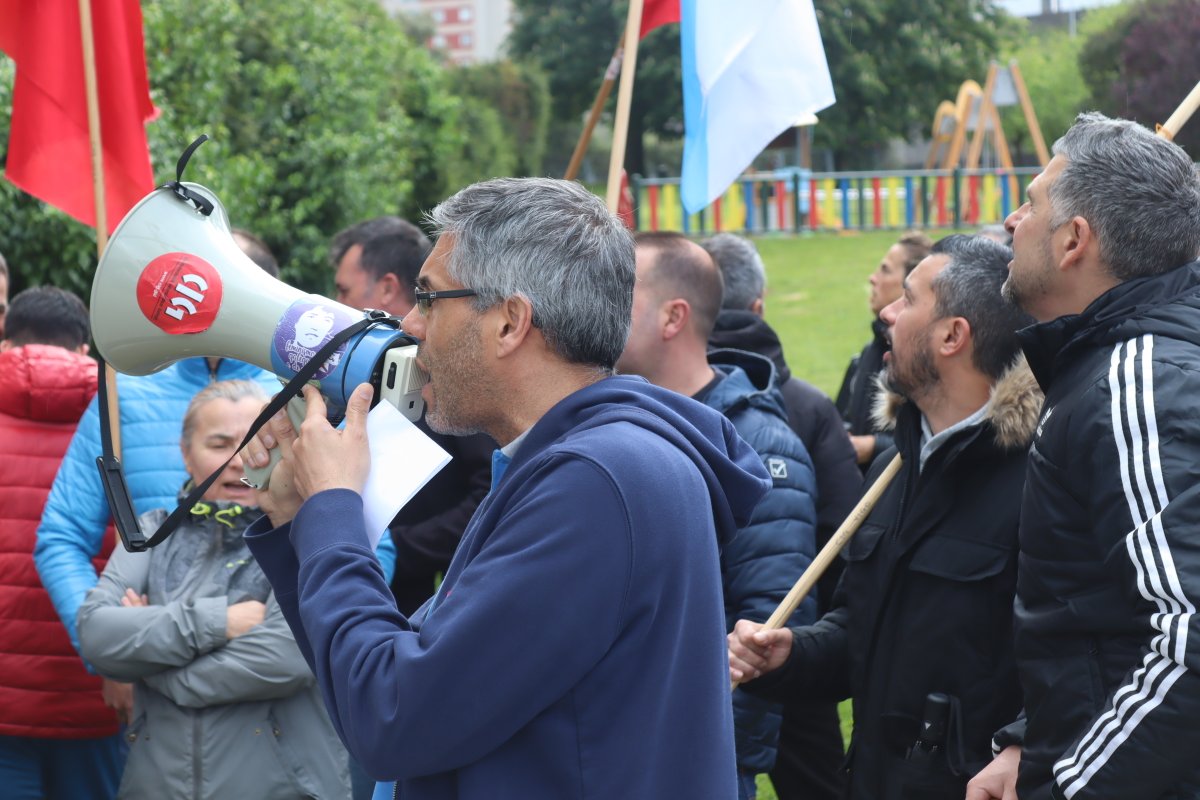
(118, 697)
(864, 447)
(325, 458)
(280, 500)
(998, 780)
(754, 650)
(241, 617)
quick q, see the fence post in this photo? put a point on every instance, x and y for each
(877, 202)
(956, 193)
(1006, 194)
(814, 213)
(844, 190)
(764, 202)
(748, 199)
(910, 202)
(925, 201)
(635, 189)
(796, 204)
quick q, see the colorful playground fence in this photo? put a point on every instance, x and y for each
(794, 200)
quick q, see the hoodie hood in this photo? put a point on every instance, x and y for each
(745, 330)
(44, 383)
(749, 380)
(1012, 409)
(732, 471)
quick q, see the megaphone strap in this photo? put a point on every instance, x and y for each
(113, 478)
(197, 200)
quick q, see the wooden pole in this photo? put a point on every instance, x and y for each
(585, 137)
(1171, 127)
(94, 135)
(975, 151)
(831, 549)
(1031, 120)
(633, 30)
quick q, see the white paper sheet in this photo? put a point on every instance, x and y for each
(403, 459)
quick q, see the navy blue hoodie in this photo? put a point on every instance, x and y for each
(576, 648)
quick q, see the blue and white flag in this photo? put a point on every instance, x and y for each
(751, 70)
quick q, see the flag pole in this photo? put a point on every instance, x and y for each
(633, 29)
(831, 550)
(1182, 114)
(94, 135)
(585, 137)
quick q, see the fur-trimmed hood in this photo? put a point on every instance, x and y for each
(1012, 409)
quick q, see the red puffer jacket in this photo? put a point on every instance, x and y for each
(45, 691)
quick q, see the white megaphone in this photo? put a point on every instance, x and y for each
(173, 283)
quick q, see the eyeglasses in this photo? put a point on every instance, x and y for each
(425, 299)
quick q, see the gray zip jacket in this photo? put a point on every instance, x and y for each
(213, 717)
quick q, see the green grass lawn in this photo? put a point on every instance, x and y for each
(817, 302)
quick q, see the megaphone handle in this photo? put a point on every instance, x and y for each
(260, 477)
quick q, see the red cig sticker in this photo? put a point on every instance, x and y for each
(180, 293)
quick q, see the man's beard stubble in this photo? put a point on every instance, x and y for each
(913, 377)
(459, 385)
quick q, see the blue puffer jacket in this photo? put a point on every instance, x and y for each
(76, 512)
(766, 557)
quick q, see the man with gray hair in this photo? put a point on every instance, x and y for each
(574, 648)
(811, 751)
(1107, 635)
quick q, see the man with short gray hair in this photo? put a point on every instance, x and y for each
(574, 648)
(1107, 635)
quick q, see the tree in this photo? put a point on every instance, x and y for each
(1146, 62)
(1049, 63)
(573, 43)
(1100, 54)
(519, 95)
(891, 61)
(322, 114)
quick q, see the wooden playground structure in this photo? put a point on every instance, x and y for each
(976, 111)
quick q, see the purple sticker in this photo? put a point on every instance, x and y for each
(304, 329)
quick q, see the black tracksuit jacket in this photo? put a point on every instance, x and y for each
(1108, 640)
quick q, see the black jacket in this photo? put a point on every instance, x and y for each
(813, 417)
(925, 604)
(1110, 548)
(427, 530)
(859, 394)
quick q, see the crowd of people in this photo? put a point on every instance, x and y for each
(637, 481)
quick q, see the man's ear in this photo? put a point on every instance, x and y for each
(955, 336)
(5, 344)
(389, 289)
(513, 324)
(758, 307)
(676, 313)
(1075, 238)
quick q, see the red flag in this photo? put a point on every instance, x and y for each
(658, 12)
(49, 153)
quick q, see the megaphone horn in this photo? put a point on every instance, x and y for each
(173, 284)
